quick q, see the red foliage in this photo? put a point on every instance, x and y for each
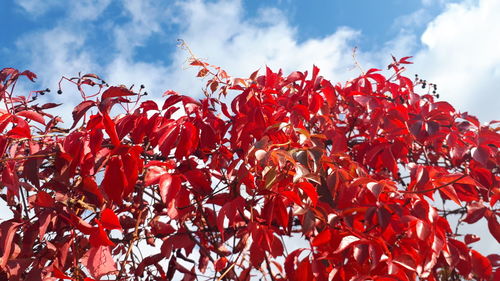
(353, 169)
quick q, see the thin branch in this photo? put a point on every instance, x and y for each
(134, 238)
(436, 188)
(27, 157)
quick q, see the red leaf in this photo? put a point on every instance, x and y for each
(168, 138)
(481, 154)
(302, 110)
(450, 192)
(199, 180)
(304, 270)
(153, 175)
(50, 105)
(406, 261)
(404, 60)
(5, 120)
(169, 187)
(89, 185)
(43, 199)
(132, 163)
(376, 188)
(114, 179)
(113, 91)
(323, 237)
(173, 99)
(8, 231)
(10, 179)
(471, 238)
(422, 229)
(110, 128)
(220, 264)
(291, 260)
(99, 261)
(293, 196)
(294, 76)
(149, 105)
(493, 225)
(161, 229)
(346, 242)
(32, 115)
(475, 211)
(481, 266)
(99, 237)
(310, 190)
(82, 225)
(230, 210)
(21, 130)
(80, 110)
(329, 92)
(31, 76)
(110, 220)
(315, 103)
(59, 274)
(188, 141)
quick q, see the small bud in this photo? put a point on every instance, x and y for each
(47, 90)
(42, 93)
(59, 92)
(145, 93)
(142, 86)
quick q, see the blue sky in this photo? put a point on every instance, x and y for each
(455, 44)
(134, 41)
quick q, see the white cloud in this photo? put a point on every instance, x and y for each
(145, 20)
(78, 9)
(55, 53)
(242, 45)
(127, 72)
(37, 7)
(87, 9)
(461, 56)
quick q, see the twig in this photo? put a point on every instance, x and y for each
(27, 157)
(356, 63)
(25, 204)
(226, 271)
(129, 250)
(436, 188)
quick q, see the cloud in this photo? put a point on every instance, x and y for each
(242, 45)
(77, 9)
(220, 32)
(56, 52)
(36, 7)
(82, 10)
(461, 56)
(145, 20)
